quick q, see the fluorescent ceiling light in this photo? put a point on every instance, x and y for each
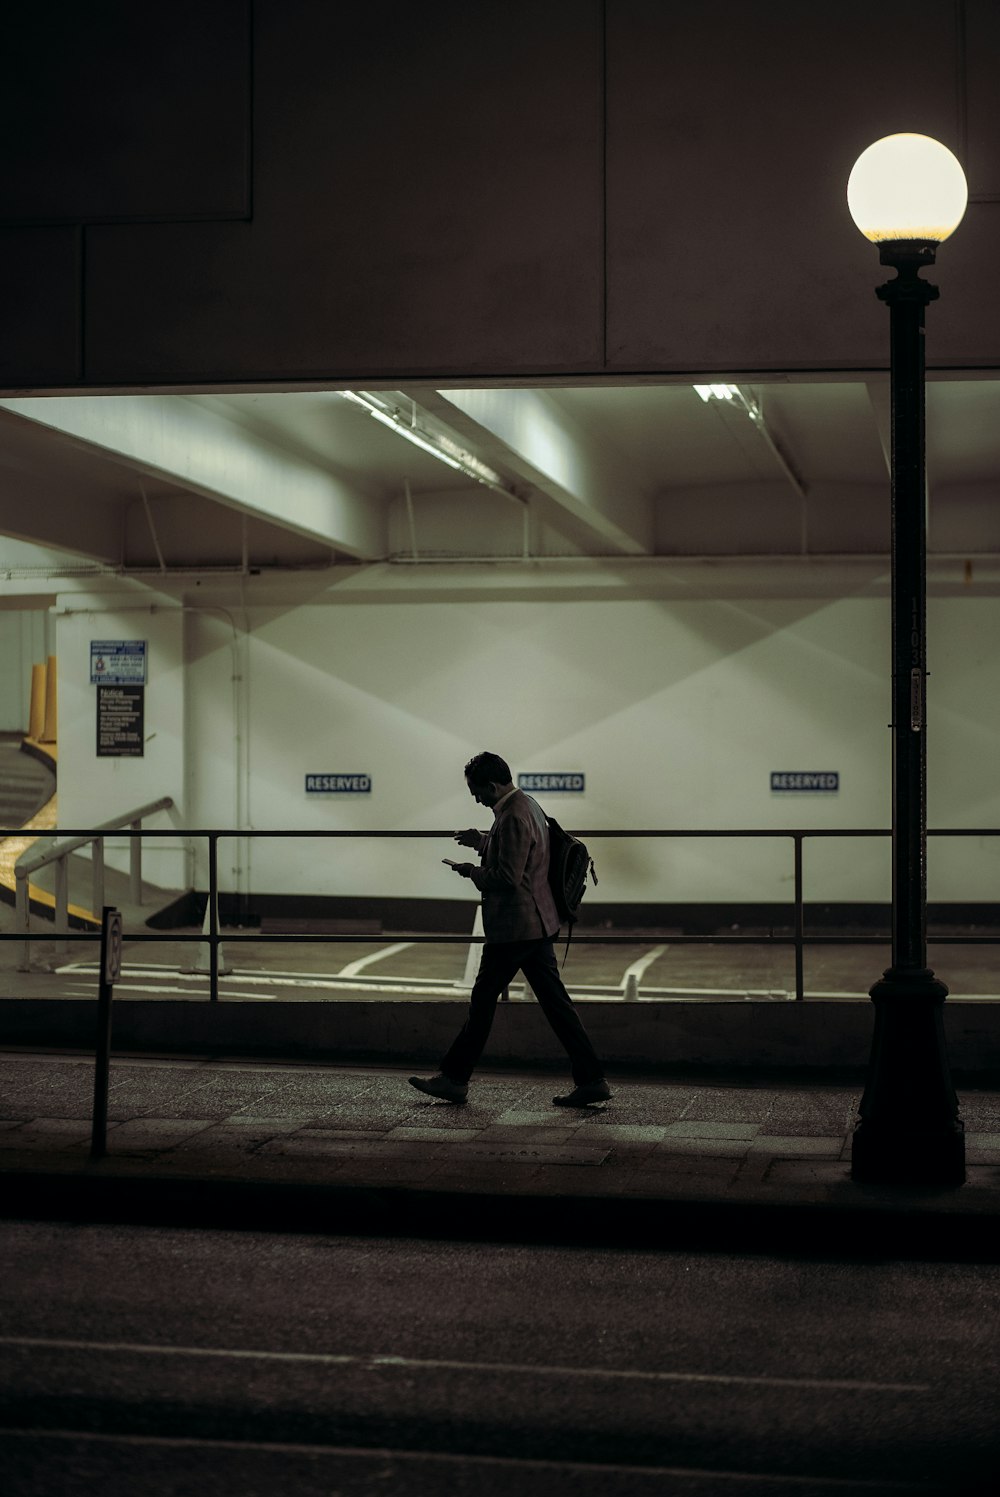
(436, 444)
(717, 392)
(735, 395)
(412, 435)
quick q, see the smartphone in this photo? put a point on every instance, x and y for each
(450, 863)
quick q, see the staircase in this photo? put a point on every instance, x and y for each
(25, 783)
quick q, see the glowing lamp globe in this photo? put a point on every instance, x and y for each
(907, 187)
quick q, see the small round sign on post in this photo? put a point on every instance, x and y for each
(113, 946)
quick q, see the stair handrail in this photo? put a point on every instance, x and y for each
(58, 854)
(63, 849)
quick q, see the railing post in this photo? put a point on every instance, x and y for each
(800, 922)
(22, 916)
(62, 904)
(135, 864)
(211, 958)
(97, 875)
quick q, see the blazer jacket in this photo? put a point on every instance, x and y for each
(513, 876)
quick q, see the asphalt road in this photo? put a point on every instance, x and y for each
(135, 1360)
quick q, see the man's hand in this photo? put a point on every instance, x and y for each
(469, 838)
(465, 869)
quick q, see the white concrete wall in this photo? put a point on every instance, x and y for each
(24, 642)
(676, 711)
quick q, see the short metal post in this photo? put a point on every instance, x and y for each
(800, 922)
(62, 904)
(22, 907)
(111, 945)
(135, 864)
(213, 918)
(97, 874)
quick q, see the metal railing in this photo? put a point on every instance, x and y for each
(59, 855)
(130, 826)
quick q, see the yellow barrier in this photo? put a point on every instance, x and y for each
(50, 730)
(36, 716)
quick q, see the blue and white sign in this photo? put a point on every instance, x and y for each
(571, 783)
(118, 662)
(825, 781)
(338, 784)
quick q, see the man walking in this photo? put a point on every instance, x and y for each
(519, 920)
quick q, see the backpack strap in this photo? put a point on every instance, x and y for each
(569, 936)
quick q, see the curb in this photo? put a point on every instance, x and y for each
(912, 1226)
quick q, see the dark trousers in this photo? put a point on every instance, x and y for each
(501, 961)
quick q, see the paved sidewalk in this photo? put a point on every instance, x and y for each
(357, 1149)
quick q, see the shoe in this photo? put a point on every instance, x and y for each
(440, 1086)
(585, 1094)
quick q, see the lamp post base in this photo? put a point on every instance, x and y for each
(910, 1132)
(887, 1156)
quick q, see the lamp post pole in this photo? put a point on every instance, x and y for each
(909, 1130)
(907, 193)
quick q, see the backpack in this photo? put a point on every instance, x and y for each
(569, 864)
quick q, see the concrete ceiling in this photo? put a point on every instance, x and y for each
(174, 482)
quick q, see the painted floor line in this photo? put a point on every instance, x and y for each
(336, 981)
(125, 989)
(264, 979)
(431, 987)
(845, 1484)
(353, 968)
(438, 1364)
(443, 987)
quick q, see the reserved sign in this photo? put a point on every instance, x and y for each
(826, 780)
(570, 782)
(338, 784)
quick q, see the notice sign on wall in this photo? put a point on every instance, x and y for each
(338, 784)
(823, 780)
(574, 783)
(119, 662)
(120, 722)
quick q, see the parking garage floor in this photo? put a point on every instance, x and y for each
(408, 965)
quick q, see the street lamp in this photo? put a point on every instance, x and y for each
(907, 193)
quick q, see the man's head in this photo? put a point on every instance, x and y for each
(488, 778)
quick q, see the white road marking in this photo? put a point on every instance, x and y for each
(503, 1462)
(434, 986)
(337, 983)
(263, 979)
(123, 987)
(639, 967)
(439, 987)
(514, 1369)
(353, 968)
